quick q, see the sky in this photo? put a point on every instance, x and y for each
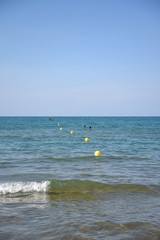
(79, 58)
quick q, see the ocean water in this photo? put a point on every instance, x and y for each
(53, 187)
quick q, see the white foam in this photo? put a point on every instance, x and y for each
(15, 187)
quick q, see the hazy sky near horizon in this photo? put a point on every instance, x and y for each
(80, 58)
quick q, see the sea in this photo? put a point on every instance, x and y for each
(52, 186)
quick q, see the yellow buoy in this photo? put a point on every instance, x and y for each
(72, 132)
(58, 124)
(60, 128)
(97, 154)
(87, 140)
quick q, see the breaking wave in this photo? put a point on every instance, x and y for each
(74, 186)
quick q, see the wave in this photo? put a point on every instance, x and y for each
(77, 186)
(74, 186)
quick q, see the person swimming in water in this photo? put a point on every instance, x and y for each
(90, 128)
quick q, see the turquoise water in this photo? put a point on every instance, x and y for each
(53, 187)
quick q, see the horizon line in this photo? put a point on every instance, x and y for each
(79, 116)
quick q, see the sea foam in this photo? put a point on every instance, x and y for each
(15, 187)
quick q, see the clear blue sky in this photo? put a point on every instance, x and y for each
(79, 58)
